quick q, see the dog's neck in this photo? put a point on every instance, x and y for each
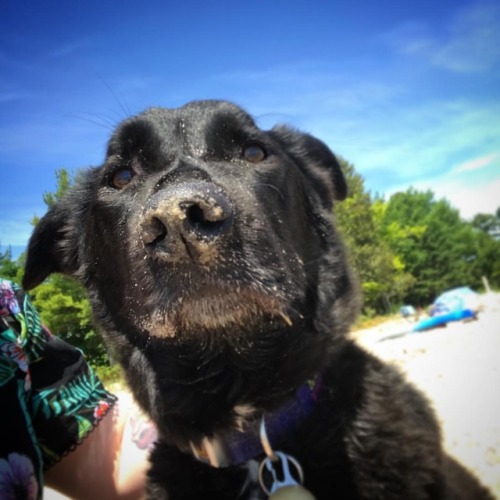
(242, 444)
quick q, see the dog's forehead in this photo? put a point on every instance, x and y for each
(193, 128)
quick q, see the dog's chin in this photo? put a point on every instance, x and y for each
(220, 310)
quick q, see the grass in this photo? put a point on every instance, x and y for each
(110, 375)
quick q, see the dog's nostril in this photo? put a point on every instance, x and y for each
(195, 215)
(207, 219)
(153, 231)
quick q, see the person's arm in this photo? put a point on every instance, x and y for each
(112, 461)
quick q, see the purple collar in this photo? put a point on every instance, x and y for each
(237, 447)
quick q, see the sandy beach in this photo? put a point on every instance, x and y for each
(458, 367)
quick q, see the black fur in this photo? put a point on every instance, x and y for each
(217, 277)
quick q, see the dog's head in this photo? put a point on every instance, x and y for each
(205, 236)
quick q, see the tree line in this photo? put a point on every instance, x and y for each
(412, 247)
(405, 250)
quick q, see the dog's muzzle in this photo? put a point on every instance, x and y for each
(186, 221)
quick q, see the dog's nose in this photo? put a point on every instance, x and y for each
(186, 218)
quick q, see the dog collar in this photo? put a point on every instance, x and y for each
(238, 446)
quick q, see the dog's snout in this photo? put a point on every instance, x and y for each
(186, 218)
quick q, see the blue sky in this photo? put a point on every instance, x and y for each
(409, 92)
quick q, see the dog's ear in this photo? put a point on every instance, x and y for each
(314, 156)
(50, 249)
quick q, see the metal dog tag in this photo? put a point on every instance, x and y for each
(292, 493)
(286, 487)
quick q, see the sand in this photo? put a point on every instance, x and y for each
(458, 367)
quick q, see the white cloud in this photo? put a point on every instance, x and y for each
(412, 37)
(70, 48)
(469, 42)
(412, 143)
(471, 191)
(477, 163)
(470, 199)
(472, 43)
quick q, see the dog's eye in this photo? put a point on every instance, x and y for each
(254, 153)
(122, 178)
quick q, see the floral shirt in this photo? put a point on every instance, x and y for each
(50, 397)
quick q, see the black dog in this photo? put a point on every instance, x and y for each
(217, 278)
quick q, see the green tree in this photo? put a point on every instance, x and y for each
(10, 269)
(437, 247)
(486, 261)
(486, 222)
(62, 301)
(359, 219)
(63, 183)
(65, 309)
(482, 252)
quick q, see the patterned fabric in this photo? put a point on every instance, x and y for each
(50, 398)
